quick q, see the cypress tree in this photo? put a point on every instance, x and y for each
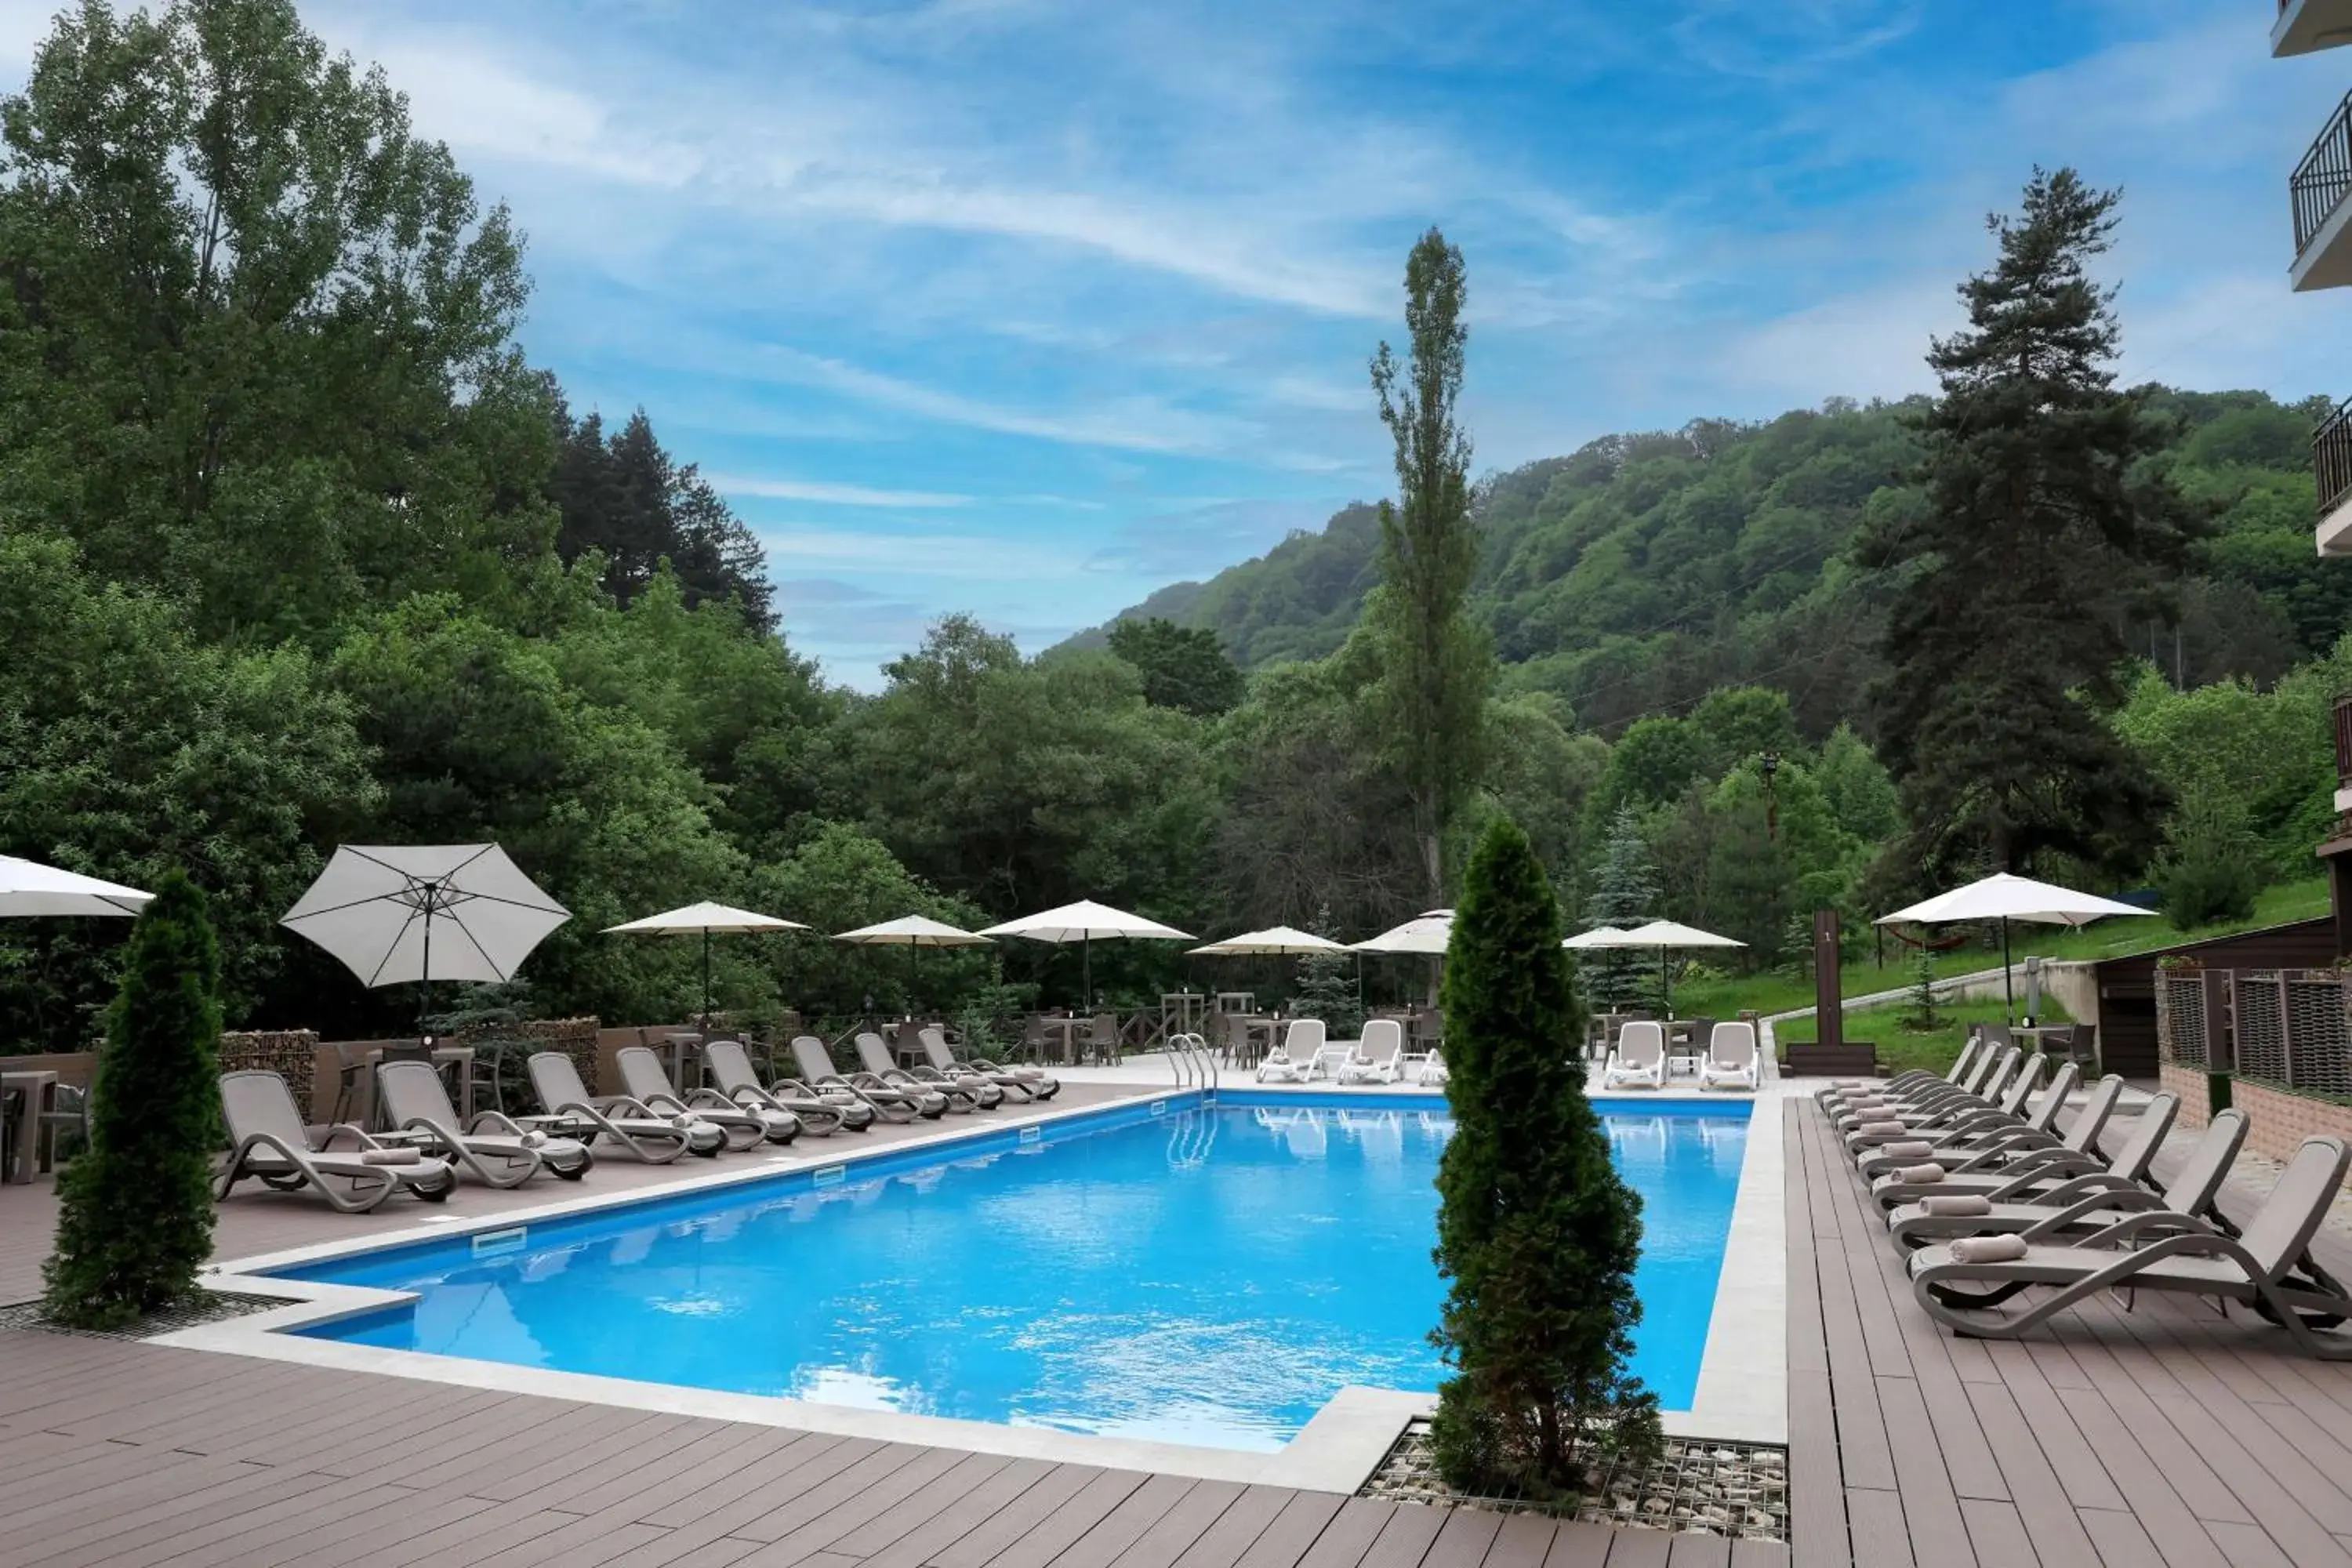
(135, 1210)
(1536, 1232)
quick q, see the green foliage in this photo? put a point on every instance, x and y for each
(1436, 664)
(135, 1210)
(1537, 1235)
(2211, 870)
(1182, 667)
(1922, 1016)
(643, 513)
(1624, 894)
(1326, 987)
(844, 878)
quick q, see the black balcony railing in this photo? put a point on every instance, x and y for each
(2331, 458)
(2324, 176)
(2344, 741)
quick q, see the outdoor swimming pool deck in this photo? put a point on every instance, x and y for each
(2160, 1436)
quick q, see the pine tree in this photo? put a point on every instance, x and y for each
(1922, 1015)
(135, 1209)
(1624, 894)
(2045, 532)
(1327, 988)
(1436, 661)
(1537, 1233)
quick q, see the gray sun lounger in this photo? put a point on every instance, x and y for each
(2091, 1200)
(1914, 1091)
(656, 1140)
(272, 1143)
(2268, 1268)
(730, 1066)
(643, 1079)
(1999, 1129)
(1029, 1083)
(965, 1095)
(1999, 1162)
(1906, 1083)
(896, 1104)
(2004, 1099)
(508, 1154)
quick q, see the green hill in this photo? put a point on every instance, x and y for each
(1644, 569)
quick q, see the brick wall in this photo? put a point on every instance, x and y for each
(2277, 1122)
(2188, 1083)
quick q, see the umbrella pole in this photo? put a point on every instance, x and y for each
(706, 978)
(1665, 986)
(425, 996)
(2008, 991)
(1086, 972)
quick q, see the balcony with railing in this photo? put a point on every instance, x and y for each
(2323, 248)
(2331, 471)
(2305, 25)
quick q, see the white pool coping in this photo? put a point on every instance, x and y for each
(1742, 1388)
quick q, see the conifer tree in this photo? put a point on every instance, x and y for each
(1326, 988)
(2043, 531)
(1536, 1235)
(135, 1209)
(1624, 894)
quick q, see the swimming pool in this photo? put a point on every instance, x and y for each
(1205, 1275)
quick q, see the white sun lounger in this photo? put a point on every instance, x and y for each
(1638, 1060)
(1293, 1061)
(1733, 1060)
(1379, 1056)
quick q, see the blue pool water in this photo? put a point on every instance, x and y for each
(1210, 1277)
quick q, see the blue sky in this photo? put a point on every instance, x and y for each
(1026, 307)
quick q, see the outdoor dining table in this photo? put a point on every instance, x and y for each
(39, 1091)
(1066, 1030)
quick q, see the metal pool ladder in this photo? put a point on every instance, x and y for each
(1194, 1065)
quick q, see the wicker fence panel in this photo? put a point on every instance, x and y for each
(575, 1037)
(2319, 1031)
(2181, 1024)
(2258, 1020)
(291, 1053)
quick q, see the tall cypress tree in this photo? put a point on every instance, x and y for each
(2045, 530)
(1536, 1232)
(1436, 661)
(135, 1212)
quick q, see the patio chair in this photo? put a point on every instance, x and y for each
(1028, 1083)
(892, 1104)
(643, 1080)
(730, 1066)
(2087, 1201)
(1380, 1055)
(414, 1099)
(1035, 1043)
(1991, 1132)
(1638, 1060)
(272, 1143)
(656, 1139)
(1103, 1041)
(1292, 1061)
(964, 1095)
(1733, 1060)
(1996, 1161)
(2268, 1268)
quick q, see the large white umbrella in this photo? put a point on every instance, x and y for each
(27, 889)
(2005, 897)
(1663, 934)
(1082, 922)
(911, 932)
(426, 912)
(1426, 933)
(1274, 942)
(1599, 936)
(723, 919)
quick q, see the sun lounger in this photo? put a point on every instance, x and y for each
(1924, 1090)
(965, 1094)
(1028, 1082)
(495, 1148)
(2085, 1203)
(1991, 1132)
(1906, 1081)
(1998, 1165)
(272, 1143)
(1293, 1061)
(643, 1079)
(2268, 1268)
(1379, 1056)
(1733, 1060)
(897, 1104)
(1986, 1081)
(1638, 1060)
(656, 1140)
(2005, 1095)
(730, 1066)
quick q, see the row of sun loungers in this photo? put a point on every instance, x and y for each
(1638, 1060)
(1990, 1199)
(649, 1120)
(1305, 1054)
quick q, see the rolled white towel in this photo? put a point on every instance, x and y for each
(1925, 1175)
(534, 1139)
(1956, 1204)
(1882, 1129)
(1988, 1250)
(390, 1157)
(1908, 1148)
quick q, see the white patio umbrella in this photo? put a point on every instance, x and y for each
(1274, 942)
(28, 889)
(709, 919)
(1426, 933)
(1599, 936)
(2005, 897)
(911, 932)
(1083, 922)
(379, 908)
(1663, 934)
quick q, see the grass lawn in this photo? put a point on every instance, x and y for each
(1901, 1049)
(1726, 996)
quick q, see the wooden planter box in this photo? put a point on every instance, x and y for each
(1810, 1058)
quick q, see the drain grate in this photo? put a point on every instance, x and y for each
(1736, 1490)
(210, 1307)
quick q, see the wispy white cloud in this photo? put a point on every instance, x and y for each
(832, 494)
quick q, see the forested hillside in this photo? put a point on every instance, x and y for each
(1645, 570)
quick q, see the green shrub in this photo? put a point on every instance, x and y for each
(2211, 868)
(135, 1212)
(1536, 1232)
